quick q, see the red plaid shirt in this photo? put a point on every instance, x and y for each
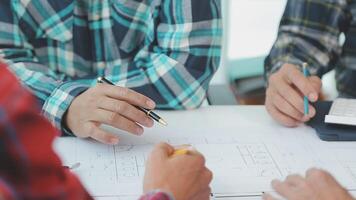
(29, 168)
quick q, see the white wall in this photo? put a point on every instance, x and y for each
(250, 29)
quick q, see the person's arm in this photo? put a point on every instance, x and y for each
(173, 67)
(182, 56)
(20, 26)
(29, 168)
(316, 185)
(180, 177)
(55, 90)
(309, 32)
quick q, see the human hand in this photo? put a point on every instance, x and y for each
(318, 185)
(111, 105)
(285, 93)
(184, 176)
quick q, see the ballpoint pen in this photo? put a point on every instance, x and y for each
(306, 100)
(148, 112)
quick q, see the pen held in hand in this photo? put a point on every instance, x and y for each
(306, 100)
(148, 112)
(179, 152)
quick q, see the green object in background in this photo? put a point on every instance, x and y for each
(246, 68)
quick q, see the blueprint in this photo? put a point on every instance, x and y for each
(243, 162)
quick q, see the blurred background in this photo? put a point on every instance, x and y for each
(250, 30)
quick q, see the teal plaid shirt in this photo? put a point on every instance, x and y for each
(310, 32)
(165, 49)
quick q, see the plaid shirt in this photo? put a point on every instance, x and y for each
(165, 49)
(310, 32)
(29, 168)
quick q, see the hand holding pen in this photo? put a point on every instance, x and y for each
(182, 172)
(108, 104)
(289, 93)
(148, 112)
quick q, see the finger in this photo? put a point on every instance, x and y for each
(316, 82)
(267, 196)
(320, 178)
(204, 178)
(162, 150)
(126, 110)
(312, 111)
(283, 189)
(102, 136)
(117, 121)
(325, 184)
(295, 180)
(286, 108)
(297, 78)
(291, 96)
(127, 95)
(204, 194)
(278, 116)
(194, 160)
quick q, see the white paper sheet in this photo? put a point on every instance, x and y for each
(244, 157)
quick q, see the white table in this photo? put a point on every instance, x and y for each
(225, 127)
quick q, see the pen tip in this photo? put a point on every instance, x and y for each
(161, 121)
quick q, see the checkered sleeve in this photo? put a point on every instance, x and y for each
(182, 55)
(56, 95)
(309, 32)
(54, 90)
(29, 167)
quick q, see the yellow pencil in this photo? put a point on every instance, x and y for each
(179, 152)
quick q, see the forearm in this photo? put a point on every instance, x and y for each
(29, 168)
(54, 92)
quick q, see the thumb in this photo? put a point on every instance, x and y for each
(163, 150)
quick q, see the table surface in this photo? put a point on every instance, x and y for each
(250, 120)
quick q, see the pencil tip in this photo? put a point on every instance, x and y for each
(161, 121)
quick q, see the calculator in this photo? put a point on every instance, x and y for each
(342, 111)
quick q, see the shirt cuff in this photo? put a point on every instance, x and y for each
(61, 98)
(157, 195)
(279, 62)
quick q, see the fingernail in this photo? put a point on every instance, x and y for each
(149, 122)
(139, 131)
(313, 97)
(151, 104)
(305, 118)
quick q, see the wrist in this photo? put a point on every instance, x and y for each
(66, 131)
(158, 194)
